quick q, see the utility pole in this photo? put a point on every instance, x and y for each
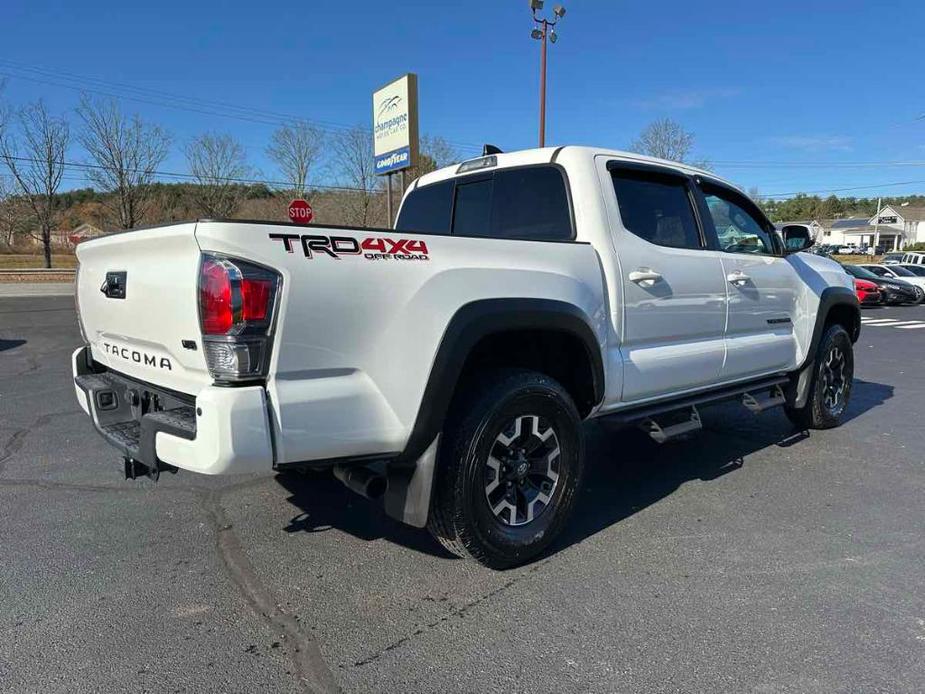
(543, 29)
(877, 227)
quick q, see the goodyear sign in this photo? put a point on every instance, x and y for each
(395, 124)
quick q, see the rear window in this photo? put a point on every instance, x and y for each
(522, 203)
(530, 204)
(472, 211)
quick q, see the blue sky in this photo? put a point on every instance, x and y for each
(785, 96)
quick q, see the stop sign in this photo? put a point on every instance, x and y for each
(301, 212)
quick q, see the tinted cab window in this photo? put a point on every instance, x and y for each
(427, 209)
(656, 208)
(520, 203)
(530, 203)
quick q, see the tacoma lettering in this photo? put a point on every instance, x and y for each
(138, 357)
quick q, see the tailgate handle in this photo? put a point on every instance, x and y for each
(114, 285)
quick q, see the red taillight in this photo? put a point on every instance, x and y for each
(236, 300)
(255, 299)
(215, 298)
(865, 286)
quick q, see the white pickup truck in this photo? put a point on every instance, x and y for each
(445, 366)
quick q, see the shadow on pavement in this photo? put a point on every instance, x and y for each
(10, 344)
(866, 396)
(324, 503)
(625, 472)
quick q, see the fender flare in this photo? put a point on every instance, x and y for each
(830, 298)
(411, 474)
(475, 321)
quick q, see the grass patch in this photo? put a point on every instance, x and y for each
(14, 261)
(858, 259)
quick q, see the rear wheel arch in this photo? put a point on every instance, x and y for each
(555, 338)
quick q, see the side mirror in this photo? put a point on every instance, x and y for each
(796, 238)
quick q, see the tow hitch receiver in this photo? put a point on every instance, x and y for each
(135, 469)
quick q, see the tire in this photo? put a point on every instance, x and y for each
(485, 506)
(830, 389)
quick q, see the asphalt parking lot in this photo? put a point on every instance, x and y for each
(749, 558)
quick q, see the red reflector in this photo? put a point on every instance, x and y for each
(255, 296)
(215, 299)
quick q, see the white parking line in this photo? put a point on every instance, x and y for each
(893, 323)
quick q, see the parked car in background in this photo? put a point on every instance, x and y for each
(893, 291)
(898, 272)
(867, 292)
(893, 258)
(847, 249)
(914, 258)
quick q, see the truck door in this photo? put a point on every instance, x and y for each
(761, 283)
(674, 294)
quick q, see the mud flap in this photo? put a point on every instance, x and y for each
(407, 497)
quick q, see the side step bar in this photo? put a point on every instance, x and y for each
(663, 434)
(760, 402)
(756, 396)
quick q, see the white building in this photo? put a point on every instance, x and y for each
(896, 227)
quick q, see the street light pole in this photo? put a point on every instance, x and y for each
(543, 29)
(543, 89)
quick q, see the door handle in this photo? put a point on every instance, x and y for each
(738, 278)
(644, 277)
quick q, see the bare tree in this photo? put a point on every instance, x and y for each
(353, 150)
(12, 214)
(294, 149)
(665, 139)
(218, 164)
(36, 161)
(126, 152)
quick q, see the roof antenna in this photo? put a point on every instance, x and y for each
(490, 149)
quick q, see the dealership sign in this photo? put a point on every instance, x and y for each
(395, 125)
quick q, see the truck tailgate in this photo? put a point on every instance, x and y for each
(149, 329)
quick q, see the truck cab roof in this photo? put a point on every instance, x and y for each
(565, 155)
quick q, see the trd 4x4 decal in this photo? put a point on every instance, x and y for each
(371, 247)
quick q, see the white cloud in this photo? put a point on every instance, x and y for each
(814, 143)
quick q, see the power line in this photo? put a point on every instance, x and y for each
(275, 115)
(841, 190)
(290, 184)
(735, 163)
(153, 97)
(192, 177)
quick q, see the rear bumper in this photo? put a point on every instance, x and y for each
(220, 431)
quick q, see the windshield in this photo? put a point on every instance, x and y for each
(860, 272)
(901, 271)
(917, 270)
